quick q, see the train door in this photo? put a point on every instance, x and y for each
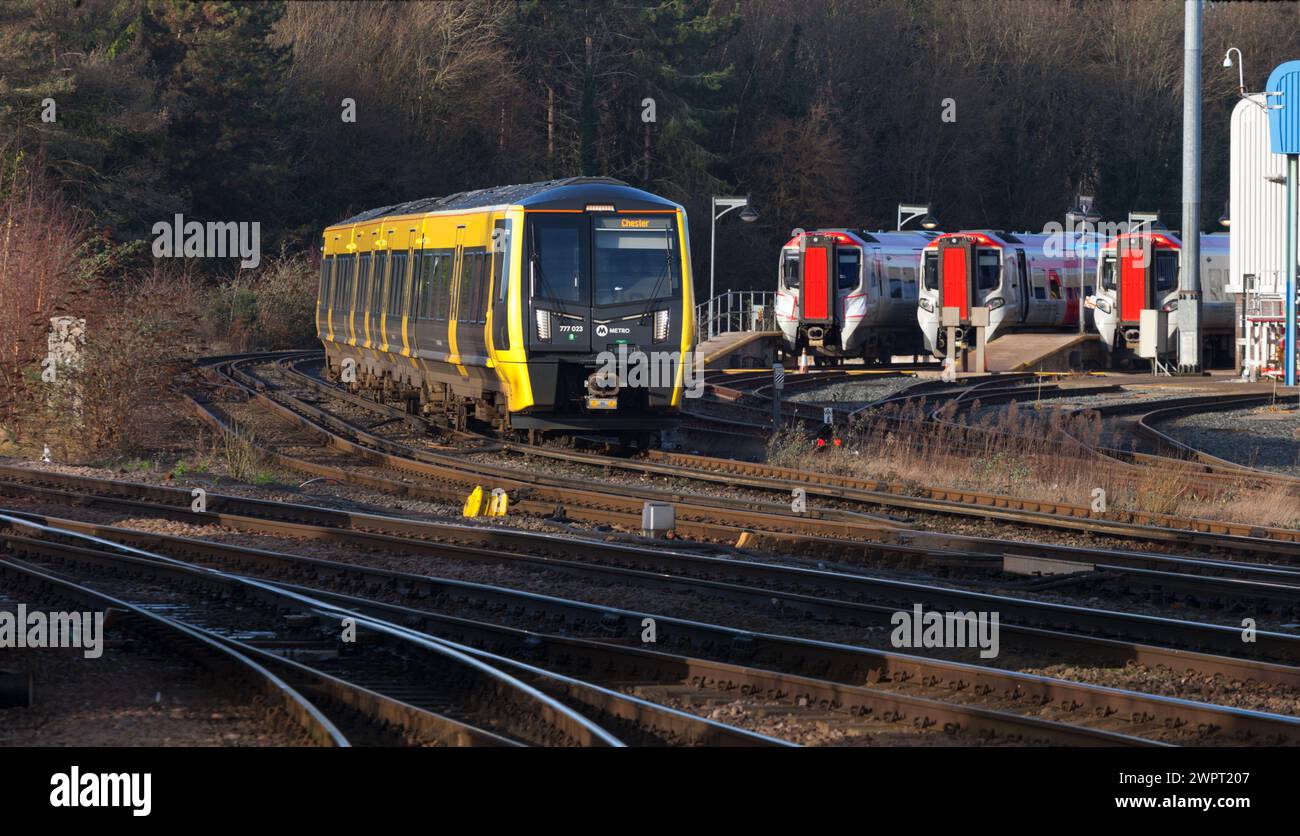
(1136, 291)
(817, 299)
(956, 270)
(501, 252)
(849, 276)
(1021, 285)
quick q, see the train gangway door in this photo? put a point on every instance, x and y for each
(956, 267)
(817, 298)
(1135, 286)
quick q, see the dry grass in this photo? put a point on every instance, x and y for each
(1025, 453)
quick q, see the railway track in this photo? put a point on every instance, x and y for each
(425, 689)
(841, 678)
(1162, 528)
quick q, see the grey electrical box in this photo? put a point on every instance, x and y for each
(979, 317)
(657, 519)
(951, 317)
(1153, 333)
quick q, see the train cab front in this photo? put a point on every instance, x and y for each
(1136, 272)
(959, 271)
(820, 295)
(607, 310)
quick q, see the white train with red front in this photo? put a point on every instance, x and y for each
(849, 293)
(1139, 271)
(1028, 281)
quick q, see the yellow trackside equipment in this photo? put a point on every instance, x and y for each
(473, 503)
(500, 503)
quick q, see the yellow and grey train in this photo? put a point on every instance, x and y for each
(498, 304)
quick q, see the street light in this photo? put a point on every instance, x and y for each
(1224, 220)
(916, 210)
(748, 215)
(1079, 218)
(1241, 69)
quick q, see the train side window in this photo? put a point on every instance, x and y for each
(326, 266)
(790, 269)
(363, 278)
(931, 271)
(1040, 281)
(895, 283)
(990, 269)
(396, 269)
(376, 279)
(423, 309)
(397, 290)
(481, 286)
(343, 282)
(442, 284)
(849, 262)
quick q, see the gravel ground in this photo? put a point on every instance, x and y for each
(852, 394)
(1263, 437)
(133, 695)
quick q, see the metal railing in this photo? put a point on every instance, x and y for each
(735, 310)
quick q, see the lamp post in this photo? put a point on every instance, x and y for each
(916, 210)
(748, 215)
(1079, 218)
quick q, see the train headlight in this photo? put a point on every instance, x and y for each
(927, 305)
(1102, 305)
(994, 303)
(661, 326)
(1170, 306)
(544, 326)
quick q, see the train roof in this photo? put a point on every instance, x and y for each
(1210, 241)
(572, 193)
(886, 238)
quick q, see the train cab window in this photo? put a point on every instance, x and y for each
(1108, 273)
(636, 259)
(989, 268)
(558, 261)
(931, 270)
(849, 262)
(1166, 271)
(790, 269)
(1054, 285)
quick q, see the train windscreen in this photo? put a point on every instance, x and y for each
(559, 263)
(636, 260)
